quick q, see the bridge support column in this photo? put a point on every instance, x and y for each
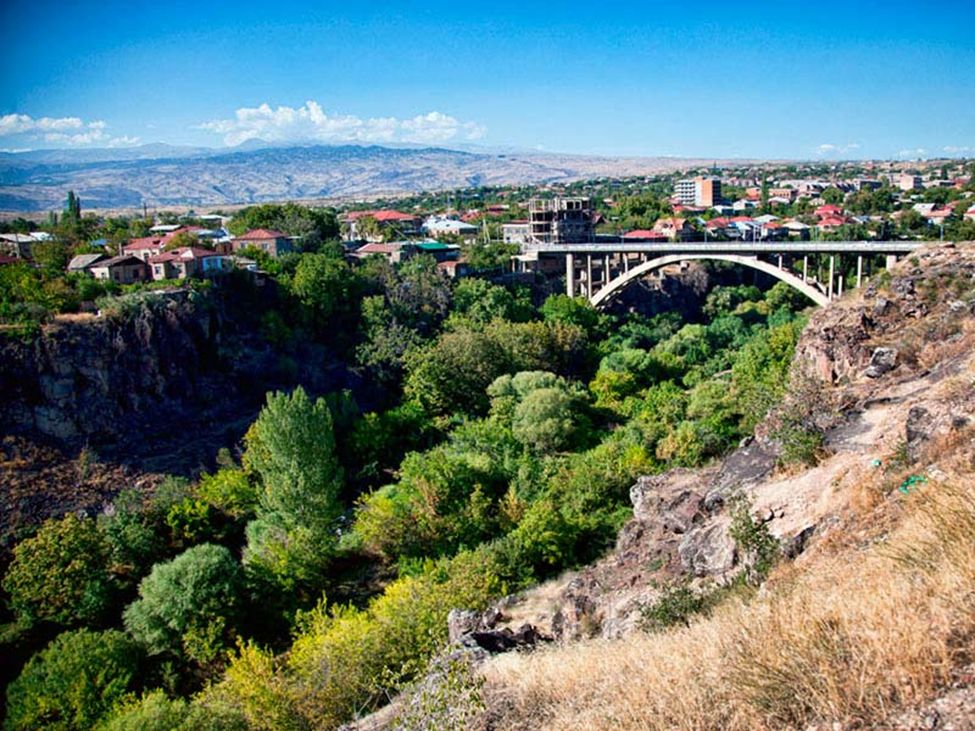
(626, 263)
(805, 269)
(570, 275)
(891, 260)
(606, 276)
(832, 275)
(589, 290)
(780, 261)
(859, 271)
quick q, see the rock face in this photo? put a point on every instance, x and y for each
(177, 369)
(97, 380)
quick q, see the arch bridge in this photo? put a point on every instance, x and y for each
(599, 271)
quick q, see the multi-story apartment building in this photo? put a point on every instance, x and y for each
(699, 191)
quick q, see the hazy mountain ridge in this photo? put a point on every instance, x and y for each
(160, 175)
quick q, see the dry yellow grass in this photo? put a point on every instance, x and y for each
(852, 637)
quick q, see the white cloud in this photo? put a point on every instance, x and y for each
(828, 149)
(915, 153)
(957, 149)
(310, 122)
(65, 131)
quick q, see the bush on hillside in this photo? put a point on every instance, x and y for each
(72, 682)
(61, 574)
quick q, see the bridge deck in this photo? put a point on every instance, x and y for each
(730, 247)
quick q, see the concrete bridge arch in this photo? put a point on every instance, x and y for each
(619, 283)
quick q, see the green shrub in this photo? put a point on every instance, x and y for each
(73, 682)
(188, 606)
(346, 661)
(61, 574)
(156, 712)
(758, 547)
(135, 542)
(229, 490)
(675, 605)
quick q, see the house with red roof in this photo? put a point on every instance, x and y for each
(144, 247)
(189, 261)
(393, 253)
(829, 209)
(831, 223)
(273, 243)
(403, 225)
(642, 234)
(673, 228)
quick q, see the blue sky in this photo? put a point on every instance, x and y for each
(796, 80)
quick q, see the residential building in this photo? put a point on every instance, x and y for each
(18, 245)
(560, 220)
(144, 247)
(515, 232)
(443, 226)
(125, 269)
(273, 243)
(439, 251)
(84, 262)
(453, 269)
(673, 228)
(908, 181)
(642, 234)
(189, 261)
(402, 225)
(788, 194)
(699, 191)
(394, 253)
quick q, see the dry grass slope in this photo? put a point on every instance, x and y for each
(851, 638)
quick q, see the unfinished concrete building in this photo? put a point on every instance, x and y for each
(560, 220)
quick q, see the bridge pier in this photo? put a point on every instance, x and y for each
(570, 275)
(832, 276)
(588, 275)
(891, 260)
(859, 271)
(805, 269)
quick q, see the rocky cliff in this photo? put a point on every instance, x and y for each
(165, 377)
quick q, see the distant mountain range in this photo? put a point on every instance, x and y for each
(165, 175)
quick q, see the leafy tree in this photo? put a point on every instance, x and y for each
(480, 302)
(156, 712)
(291, 448)
(571, 310)
(61, 574)
(73, 682)
(833, 196)
(451, 375)
(488, 257)
(314, 226)
(188, 606)
(326, 285)
(134, 539)
(546, 419)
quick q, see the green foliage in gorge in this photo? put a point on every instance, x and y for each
(60, 574)
(188, 607)
(291, 449)
(73, 682)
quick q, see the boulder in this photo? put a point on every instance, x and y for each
(918, 430)
(708, 550)
(881, 361)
